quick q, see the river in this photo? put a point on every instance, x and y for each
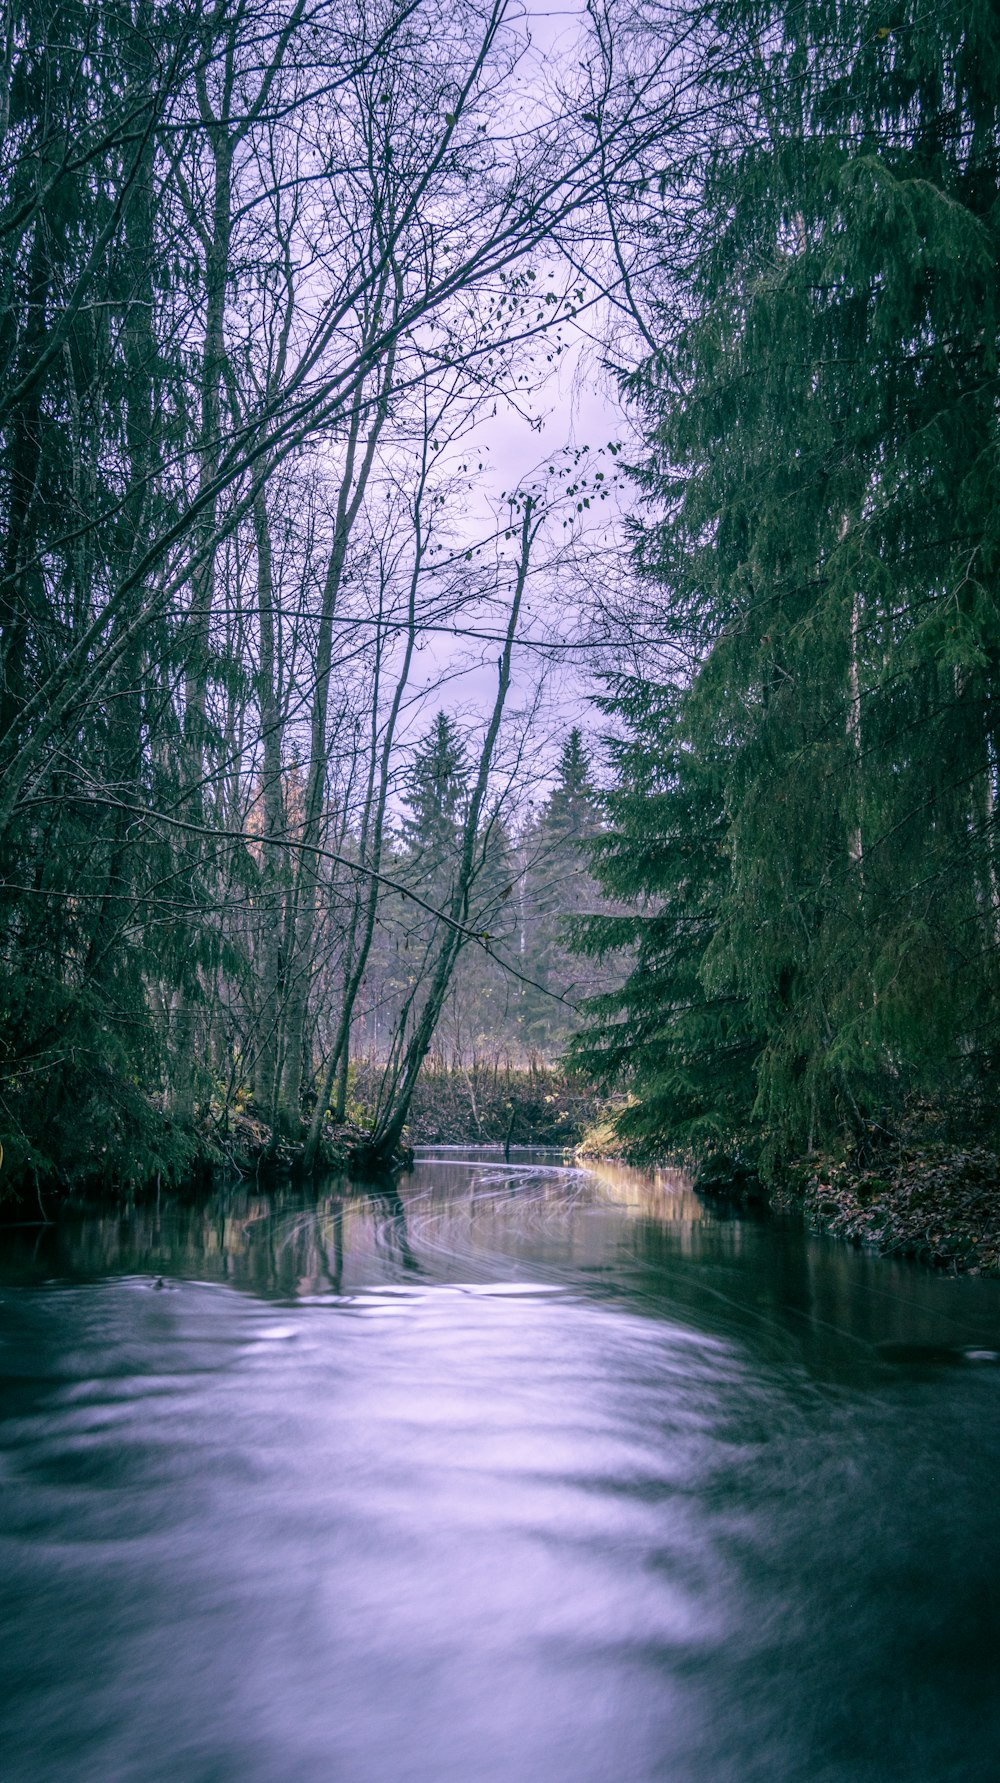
(523, 1474)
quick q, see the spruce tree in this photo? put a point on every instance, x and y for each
(557, 886)
(823, 444)
(436, 791)
(684, 1052)
(570, 812)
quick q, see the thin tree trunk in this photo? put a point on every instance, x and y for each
(352, 490)
(372, 836)
(274, 870)
(388, 1130)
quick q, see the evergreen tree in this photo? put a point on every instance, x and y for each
(89, 400)
(685, 1051)
(431, 833)
(436, 791)
(557, 886)
(823, 428)
(570, 812)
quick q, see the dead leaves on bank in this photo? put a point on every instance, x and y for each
(936, 1203)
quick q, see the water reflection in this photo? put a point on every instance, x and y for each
(520, 1472)
(641, 1237)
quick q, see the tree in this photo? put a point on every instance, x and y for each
(822, 422)
(436, 793)
(685, 1049)
(570, 812)
(556, 887)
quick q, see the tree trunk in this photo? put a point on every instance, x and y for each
(388, 1130)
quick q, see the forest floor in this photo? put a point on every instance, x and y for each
(936, 1202)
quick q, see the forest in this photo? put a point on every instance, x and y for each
(363, 710)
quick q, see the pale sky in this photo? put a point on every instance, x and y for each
(573, 403)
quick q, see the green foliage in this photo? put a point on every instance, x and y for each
(556, 886)
(570, 812)
(824, 448)
(435, 795)
(73, 1103)
(686, 1050)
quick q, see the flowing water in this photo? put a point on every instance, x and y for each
(523, 1474)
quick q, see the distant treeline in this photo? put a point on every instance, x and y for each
(490, 1103)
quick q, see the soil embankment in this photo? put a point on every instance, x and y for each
(534, 1106)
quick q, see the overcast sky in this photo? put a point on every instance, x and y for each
(572, 402)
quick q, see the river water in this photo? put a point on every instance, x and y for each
(525, 1474)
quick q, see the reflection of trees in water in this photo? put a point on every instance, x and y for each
(392, 1238)
(276, 1242)
(307, 1251)
(657, 1194)
(801, 1298)
(652, 1242)
(270, 1241)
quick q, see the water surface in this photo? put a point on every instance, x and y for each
(523, 1473)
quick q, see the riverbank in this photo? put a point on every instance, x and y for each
(482, 1104)
(937, 1203)
(534, 1105)
(237, 1145)
(916, 1194)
